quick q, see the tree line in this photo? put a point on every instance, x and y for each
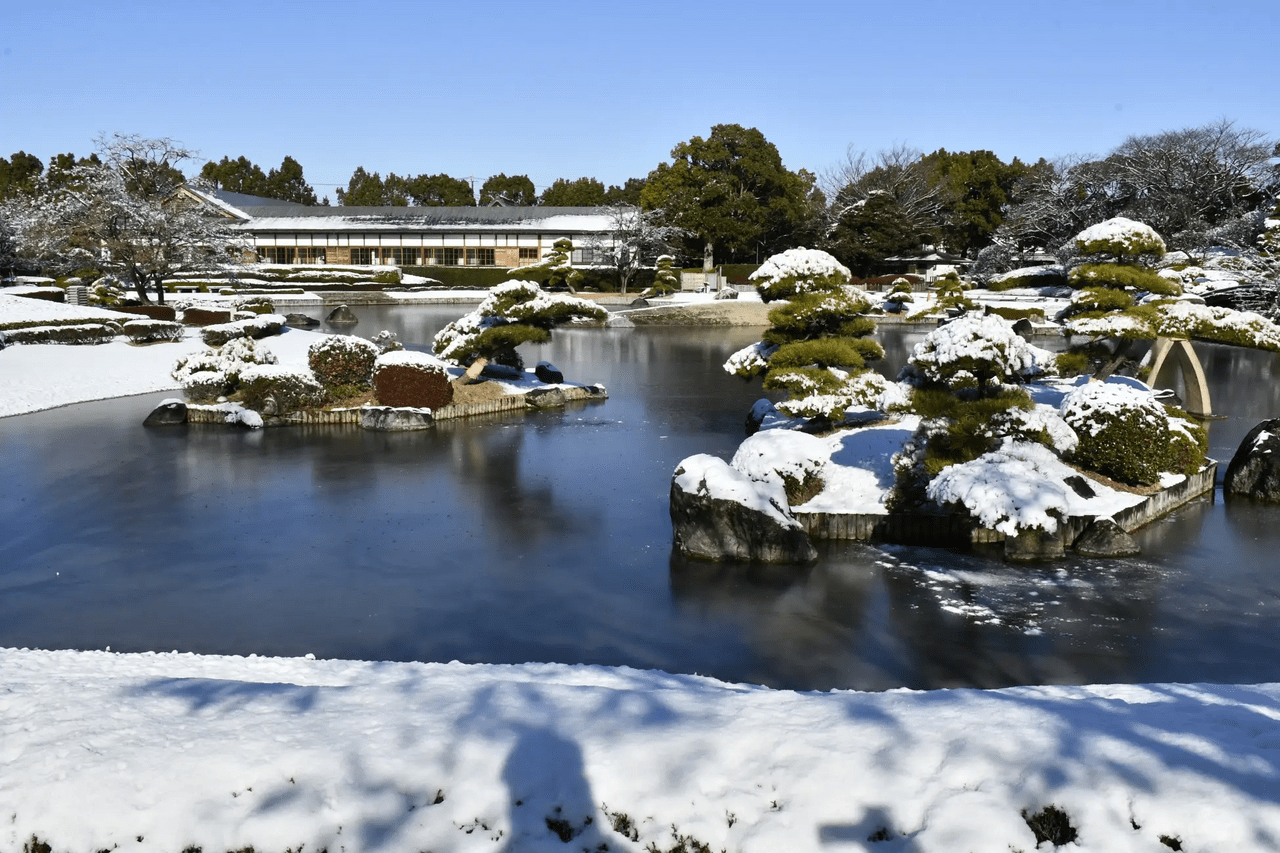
(728, 197)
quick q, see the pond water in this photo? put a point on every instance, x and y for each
(546, 537)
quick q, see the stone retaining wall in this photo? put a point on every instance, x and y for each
(957, 530)
(214, 414)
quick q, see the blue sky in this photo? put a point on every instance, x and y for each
(606, 90)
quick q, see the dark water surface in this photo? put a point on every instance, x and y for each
(546, 538)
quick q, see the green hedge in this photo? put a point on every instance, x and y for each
(478, 278)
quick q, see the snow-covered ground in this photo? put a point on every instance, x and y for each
(162, 752)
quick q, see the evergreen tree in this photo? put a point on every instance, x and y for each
(18, 174)
(366, 190)
(516, 190)
(237, 176)
(584, 192)
(628, 193)
(974, 187)
(439, 190)
(288, 184)
(871, 230)
(731, 193)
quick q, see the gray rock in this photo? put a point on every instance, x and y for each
(712, 528)
(301, 321)
(1023, 328)
(168, 413)
(727, 293)
(760, 410)
(640, 302)
(391, 419)
(493, 370)
(1034, 544)
(1105, 538)
(597, 391)
(544, 398)
(1254, 471)
(1080, 486)
(342, 316)
(548, 373)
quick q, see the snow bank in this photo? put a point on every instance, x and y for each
(158, 752)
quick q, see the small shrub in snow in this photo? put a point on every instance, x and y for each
(386, 341)
(1121, 238)
(1011, 489)
(150, 331)
(801, 270)
(260, 327)
(1128, 435)
(665, 278)
(976, 352)
(342, 360)
(254, 305)
(207, 376)
(1050, 276)
(785, 458)
(271, 389)
(205, 316)
(408, 378)
(814, 315)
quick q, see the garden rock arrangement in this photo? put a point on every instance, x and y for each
(1254, 471)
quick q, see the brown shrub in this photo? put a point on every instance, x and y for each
(205, 317)
(155, 312)
(408, 385)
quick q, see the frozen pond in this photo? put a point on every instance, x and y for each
(546, 538)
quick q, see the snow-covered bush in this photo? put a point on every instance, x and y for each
(342, 360)
(867, 390)
(794, 271)
(1013, 488)
(275, 390)
(976, 352)
(1127, 434)
(410, 378)
(514, 313)
(1049, 276)
(1123, 277)
(207, 376)
(386, 341)
(1124, 239)
(261, 326)
(150, 331)
(665, 278)
(750, 361)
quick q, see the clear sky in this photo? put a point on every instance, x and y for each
(607, 89)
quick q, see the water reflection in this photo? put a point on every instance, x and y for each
(546, 537)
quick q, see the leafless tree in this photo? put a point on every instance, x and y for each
(635, 238)
(898, 172)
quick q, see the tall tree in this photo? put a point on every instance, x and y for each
(366, 190)
(19, 173)
(628, 193)
(515, 190)
(583, 192)
(974, 187)
(439, 190)
(732, 192)
(872, 229)
(237, 176)
(121, 214)
(288, 184)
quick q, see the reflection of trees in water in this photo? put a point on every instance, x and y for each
(805, 628)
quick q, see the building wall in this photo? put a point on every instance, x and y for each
(509, 250)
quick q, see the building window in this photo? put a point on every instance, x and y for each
(311, 255)
(278, 254)
(528, 254)
(586, 256)
(404, 257)
(479, 257)
(362, 255)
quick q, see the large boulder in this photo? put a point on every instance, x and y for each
(548, 373)
(544, 398)
(169, 413)
(718, 513)
(342, 316)
(300, 321)
(1254, 471)
(393, 419)
(1105, 538)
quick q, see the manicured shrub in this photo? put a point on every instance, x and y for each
(410, 378)
(665, 279)
(272, 389)
(155, 312)
(514, 313)
(1015, 314)
(151, 331)
(209, 375)
(1120, 238)
(847, 353)
(342, 360)
(77, 333)
(205, 316)
(799, 271)
(260, 327)
(975, 352)
(813, 315)
(1122, 276)
(1126, 434)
